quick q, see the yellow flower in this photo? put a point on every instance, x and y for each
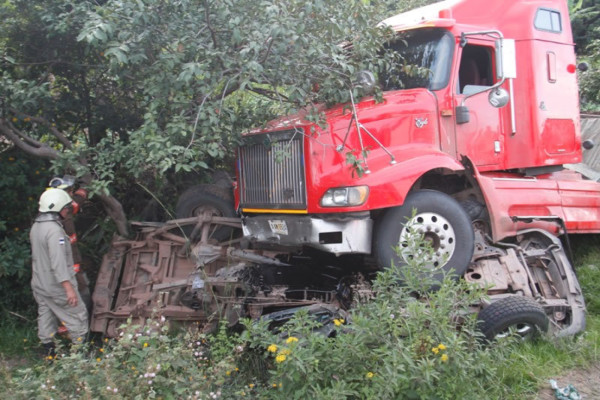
(280, 358)
(133, 368)
(11, 159)
(49, 357)
(24, 340)
(16, 229)
(228, 373)
(15, 119)
(444, 358)
(251, 385)
(79, 339)
(291, 339)
(27, 119)
(274, 385)
(98, 359)
(101, 350)
(105, 340)
(272, 348)
(145, 344)
(370, 375)
(236, 369)
(435, 350)
(442, 347)
(338, 322)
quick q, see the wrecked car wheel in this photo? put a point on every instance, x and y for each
(212, 199)
(439, 219)
(514, 315)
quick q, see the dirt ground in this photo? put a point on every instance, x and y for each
(586, 381)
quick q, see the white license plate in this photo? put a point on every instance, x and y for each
(278, 226)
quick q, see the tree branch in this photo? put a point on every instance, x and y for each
(43, 121)
(213, 34)
(27, 145)
(112, 206)
(115, 211)
(270, 94)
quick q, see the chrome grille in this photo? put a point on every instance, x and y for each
(272, 171)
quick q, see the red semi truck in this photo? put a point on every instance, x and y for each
(470, 154)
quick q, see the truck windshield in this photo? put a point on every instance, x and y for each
(419, 58)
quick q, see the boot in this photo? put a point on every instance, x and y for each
(49, 350)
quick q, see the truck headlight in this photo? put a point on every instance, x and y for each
(345, 196)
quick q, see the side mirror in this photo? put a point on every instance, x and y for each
(588, 144)
(366, 81)
(498, 97)
(506, 59)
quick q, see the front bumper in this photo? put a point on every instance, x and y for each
(334, 234)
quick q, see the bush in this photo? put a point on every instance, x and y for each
(403, 343)
(23, 180)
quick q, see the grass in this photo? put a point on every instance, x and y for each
(19, 336)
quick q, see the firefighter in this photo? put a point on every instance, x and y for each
(79, 195)
(53, 278)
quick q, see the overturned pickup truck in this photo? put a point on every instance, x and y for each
(531, 283)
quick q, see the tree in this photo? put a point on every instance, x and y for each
(110, 89)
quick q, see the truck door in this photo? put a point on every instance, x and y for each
(481, 137)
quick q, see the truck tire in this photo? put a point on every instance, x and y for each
(441, 220)
(513, 315)
(212, 198)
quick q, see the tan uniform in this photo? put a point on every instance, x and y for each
(53, 264)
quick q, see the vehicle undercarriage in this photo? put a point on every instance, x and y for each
(530, 281)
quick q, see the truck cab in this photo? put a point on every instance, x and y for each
(477, 133)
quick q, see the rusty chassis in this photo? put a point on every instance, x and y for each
(161, 272)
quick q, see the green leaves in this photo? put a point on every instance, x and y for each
(144, 89)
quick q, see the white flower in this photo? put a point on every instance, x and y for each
(43, 386)
(150, 382)
(158, 367)
(152, 375)
(115, 390)
(392, 316)
(53, 387)
(108, 388)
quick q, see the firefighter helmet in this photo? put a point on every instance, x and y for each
(54, 200)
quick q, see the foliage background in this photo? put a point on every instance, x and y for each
(149, 96)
